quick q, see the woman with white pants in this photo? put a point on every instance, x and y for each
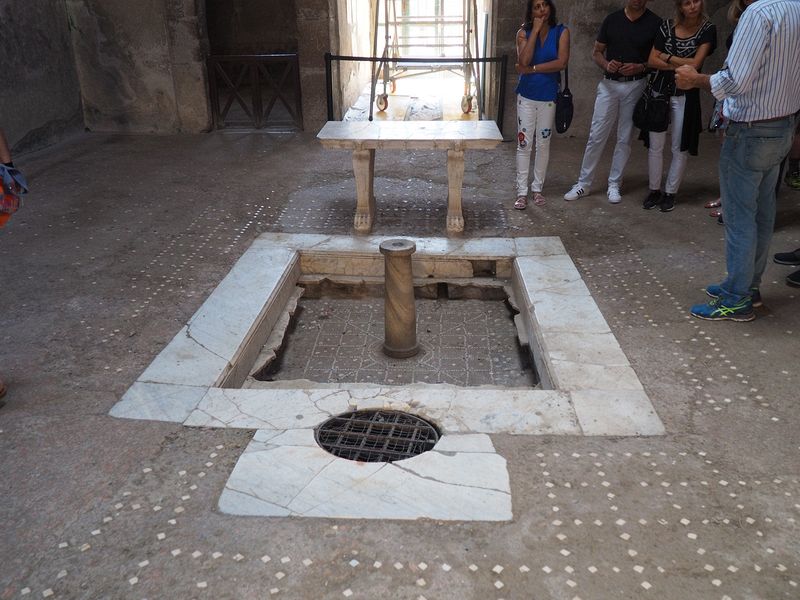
(542, 53)
(686, 40)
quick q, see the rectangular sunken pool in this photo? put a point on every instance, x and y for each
(586, 384)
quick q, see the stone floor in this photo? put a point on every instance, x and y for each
(122, 239)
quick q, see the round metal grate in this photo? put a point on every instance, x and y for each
(376, 435)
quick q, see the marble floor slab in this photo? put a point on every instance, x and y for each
(455, 410)
(287, 474)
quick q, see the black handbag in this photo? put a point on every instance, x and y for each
(651, 112)
(564, 108)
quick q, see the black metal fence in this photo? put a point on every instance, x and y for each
(255, 91)
(492, 91)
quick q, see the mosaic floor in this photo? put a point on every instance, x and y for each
(96, 507)
(464, 343)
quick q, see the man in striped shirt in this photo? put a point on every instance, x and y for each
(760, 86)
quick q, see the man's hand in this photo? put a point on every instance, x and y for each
(686, 77)
(613, 66)
(629, 69)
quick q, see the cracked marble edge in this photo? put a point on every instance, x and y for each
(453, 409)
(427, 247)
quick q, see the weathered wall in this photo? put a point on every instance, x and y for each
(251, 26)
(317, 32)
(355, 26)
(140, 64)
(39, 96)
(583, 17)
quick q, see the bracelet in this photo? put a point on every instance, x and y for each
(534, 68)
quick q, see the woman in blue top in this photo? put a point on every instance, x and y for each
(542, 53)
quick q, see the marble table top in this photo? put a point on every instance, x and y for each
(416, 135)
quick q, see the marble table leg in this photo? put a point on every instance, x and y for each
(364, 169)
(455, 178)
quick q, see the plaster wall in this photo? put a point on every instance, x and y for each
(40, 98)
(251, 26)
(318, 33)
(141, 64)
(355, 32)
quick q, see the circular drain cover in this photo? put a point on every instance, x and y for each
(376, 435)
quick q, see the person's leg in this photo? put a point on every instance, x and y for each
(793, 168)
(749, 166)
(765, 223)
(5, 151)
(628, 93)
(526, 133)
(545, 118)
(678, 166)
(5, 159)
(606, 109)
(655, 159)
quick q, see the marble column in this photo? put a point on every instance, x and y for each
(400, 319)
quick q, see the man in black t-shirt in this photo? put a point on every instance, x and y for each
(621, 51)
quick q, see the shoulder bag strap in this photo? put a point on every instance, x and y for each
(566, 68)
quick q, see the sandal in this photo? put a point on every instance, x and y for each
(538, 199)
(521, 203)
(713, 203)
(715, 213)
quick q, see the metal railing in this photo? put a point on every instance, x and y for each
(498, 84)
(255, 90)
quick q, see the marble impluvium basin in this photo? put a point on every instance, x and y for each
(588, 385)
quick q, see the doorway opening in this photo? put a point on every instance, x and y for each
(253, 68)
(426, 60)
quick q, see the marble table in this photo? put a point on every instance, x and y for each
(364, 137)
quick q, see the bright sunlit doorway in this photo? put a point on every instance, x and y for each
(402, 89)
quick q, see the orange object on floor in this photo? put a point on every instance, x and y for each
(4, 217)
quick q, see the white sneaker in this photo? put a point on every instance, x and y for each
(614, 195)
(577, 191)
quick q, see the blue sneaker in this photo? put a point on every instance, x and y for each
(718, 310)
(715, 291)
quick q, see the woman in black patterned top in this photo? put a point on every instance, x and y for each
(687, 40)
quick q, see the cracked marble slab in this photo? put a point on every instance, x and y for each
(616, 412)
(158, 402)
(201, 352)
(539, 246)
(457, 410)
(283, 475)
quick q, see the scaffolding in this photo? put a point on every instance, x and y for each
(440, 35)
